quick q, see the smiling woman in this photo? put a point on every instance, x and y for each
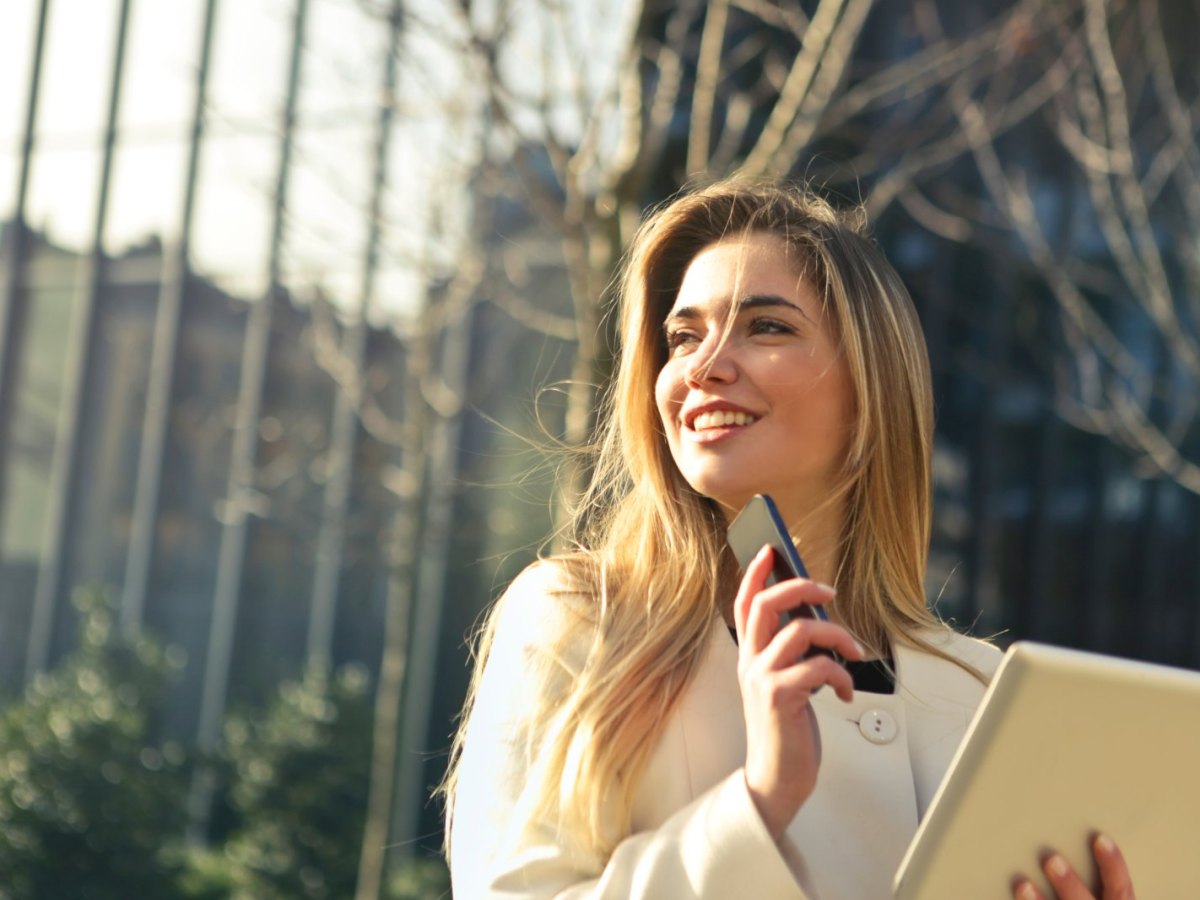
(755, 390)
(645, 720)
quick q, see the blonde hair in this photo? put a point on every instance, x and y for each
(653, 568)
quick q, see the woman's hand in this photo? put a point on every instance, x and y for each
(783, 746)
(1115, 883)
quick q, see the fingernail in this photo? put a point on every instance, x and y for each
(1105, 844)
(1025, 891)
(860, 649)
(827, 588)
(1056, 866)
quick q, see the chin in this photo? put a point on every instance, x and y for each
(728, 501)
(726, 483)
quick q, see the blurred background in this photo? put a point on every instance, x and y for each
(297, 295)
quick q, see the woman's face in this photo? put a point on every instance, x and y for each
(754, 396)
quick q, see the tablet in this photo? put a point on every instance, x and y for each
(1065, 744)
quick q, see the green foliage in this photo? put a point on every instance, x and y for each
(93, 808)
(300, 776)
(207, 875)
(420, 879)
(90, 807)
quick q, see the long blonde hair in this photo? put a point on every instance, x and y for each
(653, 568)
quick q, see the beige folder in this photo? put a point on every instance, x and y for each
(1066, 744)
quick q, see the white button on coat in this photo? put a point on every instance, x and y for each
(878, 726)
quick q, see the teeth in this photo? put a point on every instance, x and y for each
(721, 419)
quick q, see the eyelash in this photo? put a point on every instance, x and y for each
(758, 325)
(765, 325)
(675, 339)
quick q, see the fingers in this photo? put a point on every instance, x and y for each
(766, 621)
(773, 603)
(1114, 873)
(1066, 883)
(1062, 878)
(757, 608)
(1115, 881)
(778, 653)
(799, 681)
(753, 581)
(794, 640)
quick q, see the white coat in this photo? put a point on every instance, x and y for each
(696, 832)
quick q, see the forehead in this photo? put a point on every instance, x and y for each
(743, 266)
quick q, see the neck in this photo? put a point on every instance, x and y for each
(817, 536)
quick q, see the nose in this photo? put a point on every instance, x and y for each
(712, 362)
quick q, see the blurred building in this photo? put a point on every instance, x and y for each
(293, 435)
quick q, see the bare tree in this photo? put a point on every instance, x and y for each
(425, 434)
(1105, 214)
(702, 90)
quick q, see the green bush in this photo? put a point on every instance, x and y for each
(299, 788)
(419, 879)
(90, 806)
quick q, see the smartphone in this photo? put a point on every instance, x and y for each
(759, 524)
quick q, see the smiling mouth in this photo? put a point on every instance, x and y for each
(707, 421)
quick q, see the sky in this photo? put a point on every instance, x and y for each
(331, 176)
(434, 145)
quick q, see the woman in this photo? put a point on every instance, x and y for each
(641, 723)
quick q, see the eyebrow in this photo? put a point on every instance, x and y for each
(754, 301)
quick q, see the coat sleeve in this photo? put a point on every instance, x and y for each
(715, 847)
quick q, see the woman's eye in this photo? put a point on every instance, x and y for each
(679, 339)
(769, 326)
